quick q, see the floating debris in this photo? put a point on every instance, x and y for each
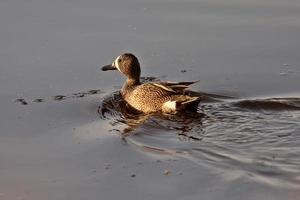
(107, 166)
(183, 71)
(133, 175)
(167, 172)
(94, 91)
(78, 95)
(38, 100)
(89, 92)
(59, 97)
(149, 79)
(22, 101)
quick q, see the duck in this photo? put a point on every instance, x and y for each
(150, 97)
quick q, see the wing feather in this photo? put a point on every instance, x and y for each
(173, 87)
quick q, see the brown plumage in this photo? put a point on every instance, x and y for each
(150, 97)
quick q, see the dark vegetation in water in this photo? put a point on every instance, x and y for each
(23, 101)
(81, 94)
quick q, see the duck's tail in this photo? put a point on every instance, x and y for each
(181, 103)
(189, 103)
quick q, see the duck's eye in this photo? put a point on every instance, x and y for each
(119, 60)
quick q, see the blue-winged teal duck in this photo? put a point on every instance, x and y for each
(168, 97)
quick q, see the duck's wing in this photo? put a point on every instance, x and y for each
(174, 87)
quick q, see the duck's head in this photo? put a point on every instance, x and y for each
(127, 64)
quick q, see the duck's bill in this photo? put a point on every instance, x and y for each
(108, 67)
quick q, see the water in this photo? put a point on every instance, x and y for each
(255, 138)
(55, 142)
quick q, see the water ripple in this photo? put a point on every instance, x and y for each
(257, 138)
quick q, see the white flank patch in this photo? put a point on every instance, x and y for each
(169, 106)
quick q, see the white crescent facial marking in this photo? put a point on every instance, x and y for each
(116, 64)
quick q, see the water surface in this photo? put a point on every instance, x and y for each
(242, 144)
(256, 138)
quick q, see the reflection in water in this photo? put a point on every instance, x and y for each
(122, 113)
(254, 138)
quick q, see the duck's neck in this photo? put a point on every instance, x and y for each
(129, 85)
